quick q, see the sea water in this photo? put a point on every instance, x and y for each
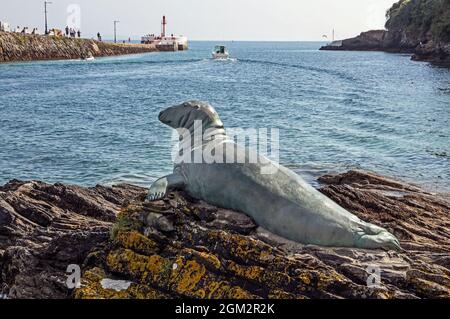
(96, 122)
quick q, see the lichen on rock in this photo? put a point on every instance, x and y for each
(183, 248)
(200, 256)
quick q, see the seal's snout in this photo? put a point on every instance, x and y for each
(184, 115)
(160, 116)
(164, 116)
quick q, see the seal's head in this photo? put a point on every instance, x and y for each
(184, 115)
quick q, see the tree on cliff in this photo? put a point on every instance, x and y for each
(426, 19)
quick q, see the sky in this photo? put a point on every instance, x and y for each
(247, 20)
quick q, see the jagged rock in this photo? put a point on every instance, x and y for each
(27, 47)
(180, 247)
(44, 228)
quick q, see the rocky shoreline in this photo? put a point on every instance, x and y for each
(184, 248)
(417, 27)
(16, 47)
(395, 42)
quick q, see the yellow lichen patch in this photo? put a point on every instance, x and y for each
(257, 274)
(247, 272)
(274, 279)
(92, 289)
(209, 260)
(305, 278)
(154, 269)
(186, 277)
(135, 241)
(242, 247)
(264, 255)
(217, 289)
(239, 293)
(183, 275)
(326, 279)
(158, 269)
(281, 294)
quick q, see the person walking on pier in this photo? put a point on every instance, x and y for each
(99, 37)
(79, 33)
(67, 31)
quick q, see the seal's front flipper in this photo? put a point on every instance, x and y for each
(159, 189)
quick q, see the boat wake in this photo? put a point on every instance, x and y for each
(225, 60)
(110, 61)
(303, 67)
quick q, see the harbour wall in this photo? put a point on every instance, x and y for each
(26, 47)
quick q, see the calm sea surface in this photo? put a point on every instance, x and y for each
(96, 122)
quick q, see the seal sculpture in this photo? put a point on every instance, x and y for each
(281, 202)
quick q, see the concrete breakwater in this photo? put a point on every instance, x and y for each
(26, 47)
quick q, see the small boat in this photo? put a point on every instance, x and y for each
(220, 53)
(90, 57)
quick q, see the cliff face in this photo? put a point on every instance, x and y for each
(420, 27)
(24, 47)
(421, 20)
(179, 247)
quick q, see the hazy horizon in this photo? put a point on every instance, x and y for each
(248, 20)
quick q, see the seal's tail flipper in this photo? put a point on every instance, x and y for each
(376, 237)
